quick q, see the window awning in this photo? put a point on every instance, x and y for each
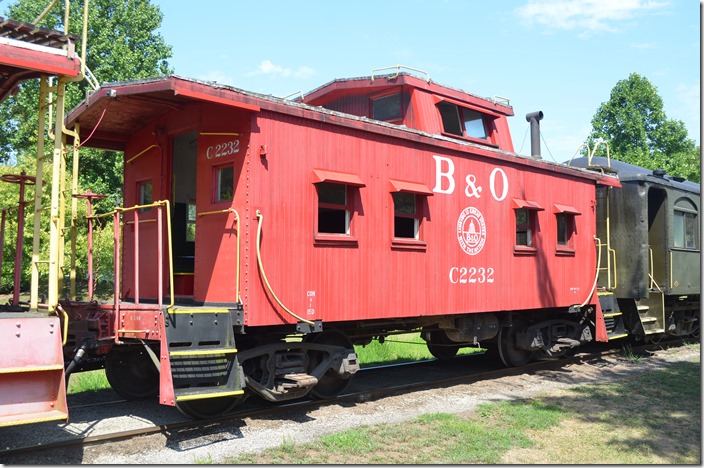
(411, 187)
(466, 105)
(566, 209)
(320, 175)
(527, 204)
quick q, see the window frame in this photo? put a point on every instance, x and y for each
(420, 194)
(383, 95)
(352, 184)
(531, 208)
(141, 184)
(217, 184)
(687, 211)
(487, 119)
(569, 214)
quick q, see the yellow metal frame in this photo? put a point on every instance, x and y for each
(54, 128)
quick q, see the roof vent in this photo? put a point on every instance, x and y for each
(659, 173)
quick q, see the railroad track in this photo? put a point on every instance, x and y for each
(363, 395)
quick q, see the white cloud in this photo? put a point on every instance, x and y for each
(585, 15)
(266, 67)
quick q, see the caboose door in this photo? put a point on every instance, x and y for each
(183, 215)
(220, 158)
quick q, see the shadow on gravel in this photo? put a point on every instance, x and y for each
(192, 438)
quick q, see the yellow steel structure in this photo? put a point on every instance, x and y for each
(52, 103)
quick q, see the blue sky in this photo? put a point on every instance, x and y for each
(559, 56)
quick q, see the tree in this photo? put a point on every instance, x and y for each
(634, 124)
(122, 44)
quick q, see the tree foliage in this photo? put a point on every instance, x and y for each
(634, 124)
(122, 44)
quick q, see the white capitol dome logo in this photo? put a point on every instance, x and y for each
(471, 230)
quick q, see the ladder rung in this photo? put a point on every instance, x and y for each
(643, 308)
(203, 352)
(19, 370)
(615, 337)
(648, 319)
(200, 396)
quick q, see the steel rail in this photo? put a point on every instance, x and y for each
(364, 395)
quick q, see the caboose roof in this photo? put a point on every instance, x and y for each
(347, 86)
(27, 51)
(631, 173)
(116, 111)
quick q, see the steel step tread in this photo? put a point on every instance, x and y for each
(20, 370)
(652, 332)
(29, 418)
(201, 393)
(648, 319)
(203, 352)
(616, 336)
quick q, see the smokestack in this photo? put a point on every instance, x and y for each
(534, 118)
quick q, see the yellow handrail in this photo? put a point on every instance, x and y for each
(260, 218)
(596, 276)
(141, 153)
(61, 309)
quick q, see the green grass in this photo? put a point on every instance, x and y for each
(398, 348)
(89, 381)
(651, 418)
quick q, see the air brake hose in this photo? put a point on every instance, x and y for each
(260, 218)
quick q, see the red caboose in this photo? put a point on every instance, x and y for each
(369, 206)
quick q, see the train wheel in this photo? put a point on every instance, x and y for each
(509, 352)
(331, 383)
(441, 346)
(208, 408)
(132, 374)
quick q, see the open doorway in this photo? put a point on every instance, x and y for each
(183, 222)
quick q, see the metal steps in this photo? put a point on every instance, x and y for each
(613, 317)
(202, 354)
(651, 312)
(32, 382)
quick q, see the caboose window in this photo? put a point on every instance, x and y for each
(565, 227)
(410, 207)
(685, 225)
(387, 107)
(225, 183)
(145, 194)
(524, 233)
(333, 208)
(526, 212)
(406, 218)
(462, 121)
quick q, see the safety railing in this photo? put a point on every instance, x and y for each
(592, 152)
(610, 268)
(163, 223)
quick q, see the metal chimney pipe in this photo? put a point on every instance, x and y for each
(534, 118)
